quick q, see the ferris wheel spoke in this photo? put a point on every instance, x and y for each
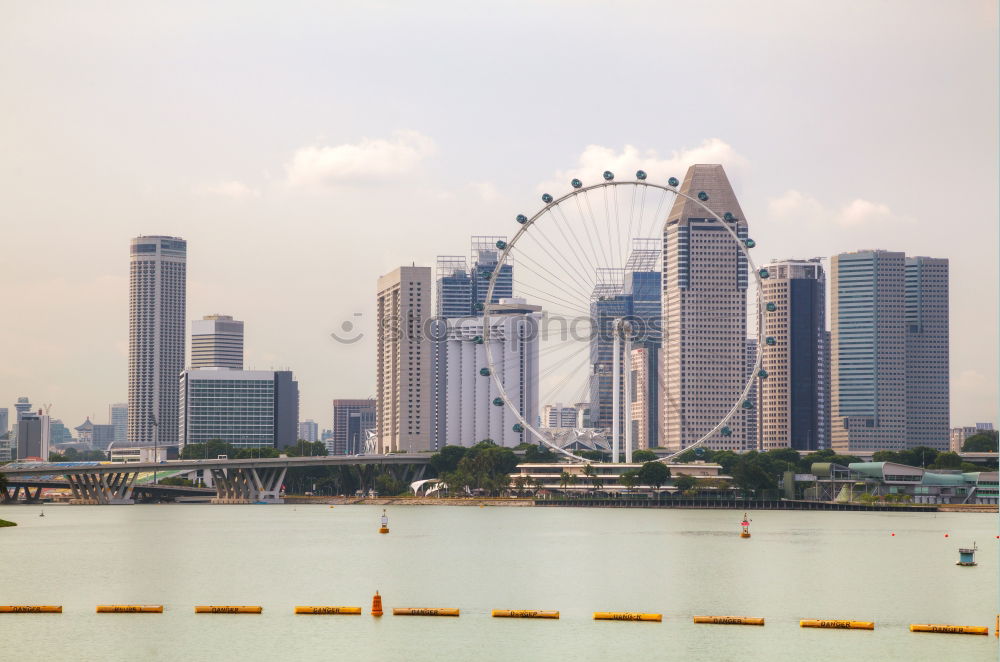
(586, 228)
(597, 229)
(553, 254)
(559, 282)
(576, 237)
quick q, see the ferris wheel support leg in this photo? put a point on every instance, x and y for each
(627, 376)
(615, 395)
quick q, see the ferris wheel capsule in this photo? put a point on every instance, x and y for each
(748, 404)
(518, 427)
(479, 305)
(673, 181)
(498, 402)
(478, 340)
(640, 174)
(762, 373)
(749, 243)
(522, 219)
(608, 175)
(546, 198)
(703, 196)
(726, 431)
(728, 216)
(770, 341)
(501, 244)
(763, 273)
(771, 306)
(576, 183)
(485, 372)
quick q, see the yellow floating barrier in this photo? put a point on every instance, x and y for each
(950, 629)
(729, 620)
(524, 613)
(327, 610)
(30, 609)
(129, 609)
(626, 616)
(424, 611)
(837, 625)
(228, 609)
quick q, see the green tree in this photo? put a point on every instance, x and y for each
(176, 480)
(387, 485)
(303, 448)
(210, 450)
(918, 456)
(564, 480)
(590, 472)
(751, 473)
(655, 474)
(885, 456)
(629, 479)
(947, 460)
(981, 442)
(685, 483)
(536, 453)
(596, 456)
(446, 460)
(643, 455)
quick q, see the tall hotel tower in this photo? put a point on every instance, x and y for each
(794, 406)
(403, 379)
(704, 314)
(928, 401)
(157, 287)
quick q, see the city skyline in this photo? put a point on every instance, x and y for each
(809, 189)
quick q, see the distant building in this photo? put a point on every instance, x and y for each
(157, 311)
(889, 343)
(118, 417)
(558, 416)
(85, 432)
(403, 372)
(4, 421)
(928, 401)
(245, 408)
(750, 416)
(646, 396)
(217, 342)
(104, 436)
(33, 436)
(485, 260)
(344, 438)
(23, 406)
(472, 410)
(59, 433)
(793, 402)
(583, 415)
(452, 287)
(308, 431)
(957, 436)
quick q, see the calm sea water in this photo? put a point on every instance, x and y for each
(678, 562)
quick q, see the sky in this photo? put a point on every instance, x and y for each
(305, 148)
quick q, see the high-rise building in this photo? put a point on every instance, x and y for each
(103, 435)
(472, 412)
(704, 314)
(342, 440)
(217, 342)
(157, 313)
(583, 415)
(403, 378)
(4, 421)
(928, 402)
(485, 260)
(118, 417)
(22, 406)
(245, 408)
(308, 431)
(868, 346)
(750, 416)
(559, 416)
(793, 397)
(33, 436)
(646, 396)
(59, 433)
(453, 287)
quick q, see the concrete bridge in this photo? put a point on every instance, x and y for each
(236, 481)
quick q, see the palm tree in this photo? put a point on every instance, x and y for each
(591, 473)
(564, 478)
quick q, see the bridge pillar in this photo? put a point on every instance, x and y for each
(102, 488)
(248, 485)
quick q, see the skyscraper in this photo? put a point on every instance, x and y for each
(118, 417)
(157, 295)
(342, 440)
(868, 345)
(308, 431)
(33, 436)
(403, 355)
(473, 414)
(245, 408)
(750, 416)
(793, 398)
(646, 396)
(21, 407)
(453, 287)
(559, 416)
(928, 401)
(485, 258)
(4, 420)
(704, 314)
(217, 342)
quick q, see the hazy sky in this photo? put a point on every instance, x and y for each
(303, 149)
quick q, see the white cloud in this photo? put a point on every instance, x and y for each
(486, 190)
(233, 189)
(595, 159)
(795, 206)
(369, 159)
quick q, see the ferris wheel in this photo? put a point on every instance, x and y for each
(590, 259)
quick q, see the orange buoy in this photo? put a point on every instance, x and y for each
(745, 533)
(385, 523)
(376, 604)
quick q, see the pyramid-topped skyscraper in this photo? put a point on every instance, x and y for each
(704, 314)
